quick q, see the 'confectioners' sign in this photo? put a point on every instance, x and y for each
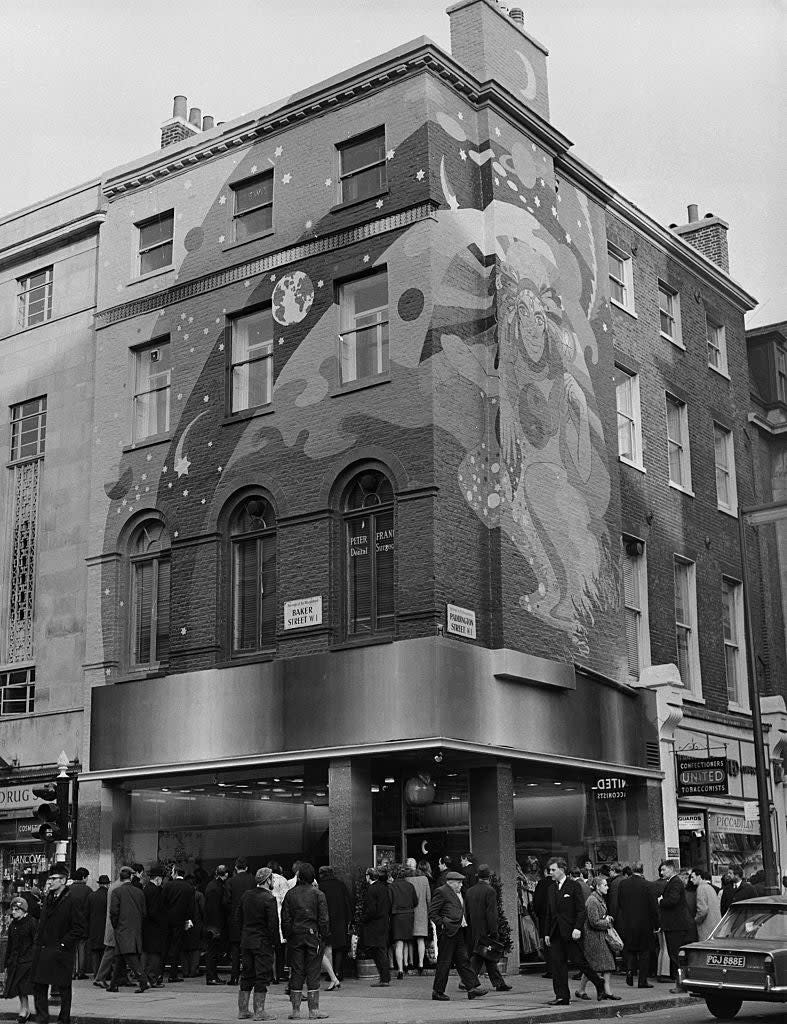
(461, 621)
(305, 612)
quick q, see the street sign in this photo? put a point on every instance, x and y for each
(701, 776)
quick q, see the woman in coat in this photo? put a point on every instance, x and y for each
(340, 915)
(403, 903)
(419, 881)
(708, 913)
(19, 956)
(598, 923)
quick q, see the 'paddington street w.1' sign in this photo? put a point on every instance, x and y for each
(700, 776)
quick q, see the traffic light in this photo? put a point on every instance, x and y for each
(53, 814)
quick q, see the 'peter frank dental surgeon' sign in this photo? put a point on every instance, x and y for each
(460, 621)
(305, 612)
(700, 776)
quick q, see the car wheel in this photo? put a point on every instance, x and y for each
(723, 1007)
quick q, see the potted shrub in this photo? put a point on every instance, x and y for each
(364, 966)
(503, 926)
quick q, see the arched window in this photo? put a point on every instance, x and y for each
(149, 564)
(369, 551)
(253, 561)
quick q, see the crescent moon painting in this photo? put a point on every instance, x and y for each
(529, 91)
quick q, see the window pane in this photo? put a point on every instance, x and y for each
(632, 642)
(156, 230)
(384, 568)
(246, 595)
(359, 577)
(143, 610)
(363, 152)
(255, 193)
(155, 259)
(254, 223)
(162, 611)
(364, 183)
(268, 622)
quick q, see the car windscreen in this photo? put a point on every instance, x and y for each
(753, 923)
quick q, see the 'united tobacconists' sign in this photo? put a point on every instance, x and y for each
(701, 776)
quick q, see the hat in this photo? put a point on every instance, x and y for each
(454, 876)
(19, 901)
(103, 879)
(58, 869)
(263, 875)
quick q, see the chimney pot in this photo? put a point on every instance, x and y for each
(517, 15)
(179, 107)
(693, 213)
(195, 117)
(207, 123)
(708, 215)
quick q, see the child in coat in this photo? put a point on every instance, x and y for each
(19, 956)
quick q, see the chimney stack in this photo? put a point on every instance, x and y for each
(491, 43)
(179, 127)
(207, 123)
(708, 236)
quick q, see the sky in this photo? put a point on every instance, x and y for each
(671, 101)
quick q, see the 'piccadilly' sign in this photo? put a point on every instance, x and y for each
(701, 776)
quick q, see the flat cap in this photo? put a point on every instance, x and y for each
(454, 876)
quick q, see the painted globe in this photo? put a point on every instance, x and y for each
(292, 298)
(419, 791)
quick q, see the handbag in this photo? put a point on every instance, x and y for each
(614, 940)
(489, 949)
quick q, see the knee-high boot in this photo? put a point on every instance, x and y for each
(313, 998)
(295, 999)
(243, 1005)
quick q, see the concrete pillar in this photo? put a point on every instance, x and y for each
(350, 831)
(94, 836)
(492, 836)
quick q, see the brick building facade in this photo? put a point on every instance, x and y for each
(368, 573)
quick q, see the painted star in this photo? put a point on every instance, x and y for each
(247, 284)
(182, 630)
(205, 330)
(164, 469)
(604, 328)
(462, 154)
(497, 182)
(191, 319)
(221, 239)
(186, 336)
(554, 211)
(210, 444)
(497, 132)
(542, 183)
(187, 185)
(106, 592)
(221, 346)
(328, 182)
(537, 201)
(182, 316)
(191, 349)
(222, 200)
(281, 341)
(320, 283)
(278, 151)
(379, 204)
(169, 485)
(308, 224)
(185, 495)
(253, 168)
(182, 465)
(273, 277)
(391, 154)
(286, 179)
(420, 175)
(568, 238)
(202, 502)
(180, 396)
(148, 457)
(219, 469)
(366, 258)
(461, 116)
(144, 476)
(206, 398)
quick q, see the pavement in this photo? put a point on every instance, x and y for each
(405, 1002)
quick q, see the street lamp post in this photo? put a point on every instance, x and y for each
(758, 515)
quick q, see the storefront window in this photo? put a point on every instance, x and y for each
(276, 813)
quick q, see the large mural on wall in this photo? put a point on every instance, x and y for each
(500, 354)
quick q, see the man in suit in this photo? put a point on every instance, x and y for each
(61, 926)
(127, 912)
(637, 919)
(154, 927)
(180, 910)
(215, 923)
(565, 919)
(447, 911)
(481, 907)
(80, 892)
(96, 921)
(677, 922)
(376, 921)
(240, 882)
(258, 919)
(739, 890)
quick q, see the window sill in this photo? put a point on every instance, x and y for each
(738, 709)
(731, 512)
(359, 385)
(721, 373)
(141, 278)
(23, 462)
(22, 329)
(366, 641)
(340, 207)
(625, 309)
(634, 465)
(683, 490)
(147, 442)
(132, 675)
(230, 246)
(672, 341)
(252, 658)
(692, 698)
(247, 414)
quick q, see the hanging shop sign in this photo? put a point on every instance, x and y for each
(460, 621)
(305, 612)
(701, 776)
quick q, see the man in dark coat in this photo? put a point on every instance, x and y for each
(677, 922)
(180, 910)
(215, 923)
(540, 904)
(616, 877)
(340, 915)
(447, 911)
(240, 882)
(565, 920)
(304, 921)
(61, 926)
(258, 921)
(80, 891)
(739, 890)
(127, 912)
(96, 921)
(637, 919)
(483, 922)
(376, 921)
(154, 927)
